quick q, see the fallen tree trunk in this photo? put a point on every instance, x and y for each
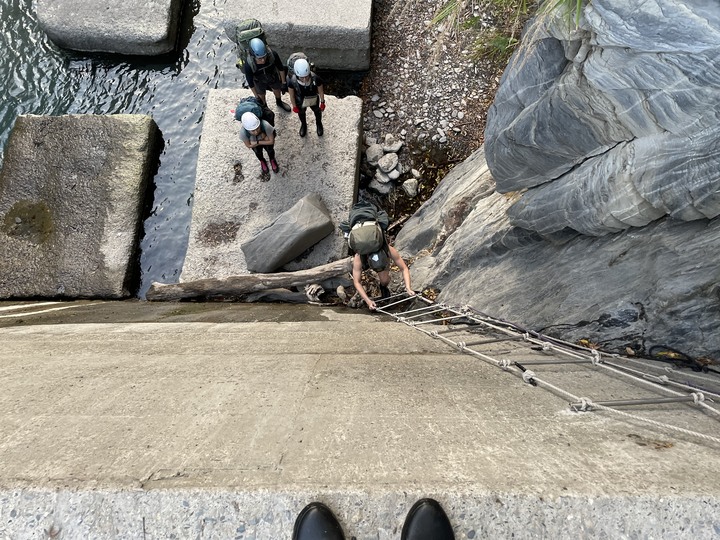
(247, 283)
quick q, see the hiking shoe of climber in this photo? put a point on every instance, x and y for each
(274, 165)
(426, 520)
(320, 130)
(264, 166)
(284, 106)
(303, 130)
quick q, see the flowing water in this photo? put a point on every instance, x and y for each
(37, 77)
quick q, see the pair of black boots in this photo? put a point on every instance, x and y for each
(426, 520)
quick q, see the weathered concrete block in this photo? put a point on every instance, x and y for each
(293, 232)
(72, 190)
(233, 200)
(334, 37)
(134, 27)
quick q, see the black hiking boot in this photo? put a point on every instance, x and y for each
(303, 129)
(284, 106)
(320, 129)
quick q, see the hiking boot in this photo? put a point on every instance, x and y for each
(303, 130)
(284, 106)
(320, 129)
(264, 166)
(274, 165)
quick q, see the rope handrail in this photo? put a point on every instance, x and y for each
(549, 344)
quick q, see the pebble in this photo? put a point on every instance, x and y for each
(443, 139)
(375, 98)
(388, 162)
(382, 189)
(18, 221)
(410, 187)
(394, 174)
(440, 132)
(377, 114)
(460, 115)
(374, 153)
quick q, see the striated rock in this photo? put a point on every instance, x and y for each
(388, 162)
(655, 285)
(613, 125)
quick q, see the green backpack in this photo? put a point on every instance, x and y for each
(366, 238)
(245, 31)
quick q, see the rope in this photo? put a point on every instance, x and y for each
(551, 344)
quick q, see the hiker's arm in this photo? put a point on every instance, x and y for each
(397, 258)
(356, 275)
(269, 139)
(291, 91)
(321, 93)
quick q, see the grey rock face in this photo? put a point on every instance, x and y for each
(72, 190)
(133, 27)
(614, 125)
(656, 285)
(294, 231)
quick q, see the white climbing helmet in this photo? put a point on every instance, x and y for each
(250, 121)
(301, 67)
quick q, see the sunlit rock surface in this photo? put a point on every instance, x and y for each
(615, 124)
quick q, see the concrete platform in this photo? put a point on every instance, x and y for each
(72, 190)
(227, 429)
(334, 35)
(233, 200)
(133, 27)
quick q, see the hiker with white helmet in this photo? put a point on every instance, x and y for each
(306, 91)
(264, 71)
(258, 134)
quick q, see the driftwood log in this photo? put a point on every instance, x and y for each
(247, 283)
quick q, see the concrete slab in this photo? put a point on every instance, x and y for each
(233, 200)
(333, 35)
(135, 27)
(227, 430)
(72, 190)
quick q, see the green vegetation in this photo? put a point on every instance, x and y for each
(497, 41)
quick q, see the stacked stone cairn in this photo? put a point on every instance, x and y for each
(383, 159)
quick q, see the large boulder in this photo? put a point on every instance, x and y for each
(293, 232)
(656, 285)
(72, 190)
(614, 124)
(134, 27)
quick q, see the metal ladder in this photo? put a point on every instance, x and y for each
(527, 354)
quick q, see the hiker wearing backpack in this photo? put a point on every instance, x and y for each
(264, 71)
(306, 91)
(258, 134)
(365, 233)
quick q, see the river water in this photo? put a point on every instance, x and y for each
(37, 77)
